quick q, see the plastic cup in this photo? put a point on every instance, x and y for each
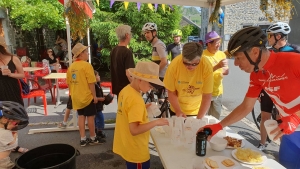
(270, 125)
(3, 67)
(212, 121)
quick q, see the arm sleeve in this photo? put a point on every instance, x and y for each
(254, 87)
(6, 137)
(161, 50)
(90, 75)
(169, 79)
(208, 80)
(129, 63)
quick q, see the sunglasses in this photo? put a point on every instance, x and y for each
(270, 35)
(190, 64)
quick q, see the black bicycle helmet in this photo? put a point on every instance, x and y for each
(245, 39)
(14, 111)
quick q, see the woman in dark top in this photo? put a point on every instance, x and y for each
(9, 78)
(10, 73)
(53, 60)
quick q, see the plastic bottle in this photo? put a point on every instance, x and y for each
(201, 141)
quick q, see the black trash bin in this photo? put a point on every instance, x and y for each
(52, 156)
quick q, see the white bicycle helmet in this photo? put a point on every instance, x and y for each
(149, 27)
(279, 27)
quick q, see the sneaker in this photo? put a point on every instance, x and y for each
(96, 141)
(83, 142)
(261, 147)
(101, 134)
(61, 125)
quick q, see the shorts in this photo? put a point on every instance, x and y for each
(89, 110)
(6, 163)
(144, 165)
(289, 151)
(69, 104)
(266, 104)
(215, 108)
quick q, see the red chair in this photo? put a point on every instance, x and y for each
(25, 64)
(62, 83)
(38, 92)
(42, 73)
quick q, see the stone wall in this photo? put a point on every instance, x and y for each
(238, 15)
(294, 36)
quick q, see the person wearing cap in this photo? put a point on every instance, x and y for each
(81, 81)
(175, 49)
(159, 53)
(121, 59)
(13, 117)
(218, 60)
(132, 133)
(277, 38)
(279, 75)
(189, 81)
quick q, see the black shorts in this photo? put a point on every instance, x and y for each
(69, 104)
(89, 110)
(266, 104)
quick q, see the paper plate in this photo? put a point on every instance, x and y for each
(219, 160)
(245, 162)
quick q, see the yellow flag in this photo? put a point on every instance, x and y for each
(163, 7)
(150, 6)
(126, 4)
(97, 2)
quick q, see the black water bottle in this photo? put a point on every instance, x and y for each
(201, 141)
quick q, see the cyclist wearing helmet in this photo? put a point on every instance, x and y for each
(159, 54)
(277, 38)
(175, 48)
(273, 72)
(218, 60)
(13, 117)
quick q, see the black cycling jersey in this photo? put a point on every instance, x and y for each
(174, 49)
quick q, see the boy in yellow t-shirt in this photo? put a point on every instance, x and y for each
(81, 81)
(131, 135)
(189, 80)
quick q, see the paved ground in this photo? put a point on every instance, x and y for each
(99, 156)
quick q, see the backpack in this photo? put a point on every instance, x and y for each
(25, 87)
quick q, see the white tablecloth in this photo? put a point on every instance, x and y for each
(173, 157)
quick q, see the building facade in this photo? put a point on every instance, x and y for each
(237, 16)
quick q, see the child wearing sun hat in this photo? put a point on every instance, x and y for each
(132, 133)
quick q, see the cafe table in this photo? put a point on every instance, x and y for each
(32, 69)
(56, 76)
(180, 157)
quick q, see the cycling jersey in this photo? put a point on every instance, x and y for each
(287, 48)
(158, 52)
(174, 49)
(281, 80)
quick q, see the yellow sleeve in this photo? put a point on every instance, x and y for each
(169, 79)
(136, 113)
(90, 74)
(207, 76)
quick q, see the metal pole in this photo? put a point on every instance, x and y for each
(89, 43)
(69, 42)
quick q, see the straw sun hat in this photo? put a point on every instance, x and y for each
(147, 71)
(77, 49)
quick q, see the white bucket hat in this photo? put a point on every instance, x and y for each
(147, 71)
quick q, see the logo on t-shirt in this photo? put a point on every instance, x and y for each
(73, 76)
(191, 89)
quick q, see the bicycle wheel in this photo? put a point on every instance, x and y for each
(96, 63)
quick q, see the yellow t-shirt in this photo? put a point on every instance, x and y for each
(79, 75)
(218, 74)
(131, 108)
(189, 85)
